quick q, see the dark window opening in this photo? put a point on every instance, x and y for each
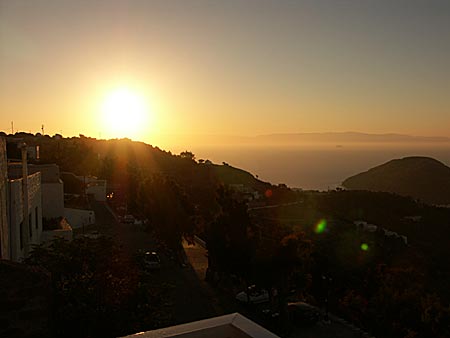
(21, 235)
(30, 225)
(36, 216)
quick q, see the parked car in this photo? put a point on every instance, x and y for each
(129, 219)
(253, 295)
(92, 235)
(151, 261)
(303, 314)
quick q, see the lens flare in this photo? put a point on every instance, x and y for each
(321, 226)
(364, 247)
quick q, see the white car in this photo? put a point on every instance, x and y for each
(128, 219)
(152, 261)
(253, 295)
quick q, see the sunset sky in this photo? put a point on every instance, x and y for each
(225, 67)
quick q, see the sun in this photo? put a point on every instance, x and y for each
(125, 113)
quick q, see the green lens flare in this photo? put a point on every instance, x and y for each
(364, 247)
(321, 226)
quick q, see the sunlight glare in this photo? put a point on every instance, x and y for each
(125, 113)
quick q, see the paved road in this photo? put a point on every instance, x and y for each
(275, 206)
(192, 298)
(189, 299)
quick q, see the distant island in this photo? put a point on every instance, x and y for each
(348, 137)
(336, 138)
(423, 178)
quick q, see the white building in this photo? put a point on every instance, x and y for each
(78, 218)
(64, 231)
(229, 326)
(52, 187)
(4, 227)
(25, 226)
(94, 187)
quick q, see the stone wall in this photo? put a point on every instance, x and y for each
(16, 214)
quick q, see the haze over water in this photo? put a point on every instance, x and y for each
(314, 167)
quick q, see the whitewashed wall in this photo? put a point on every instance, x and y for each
(79, 217)
(16, 215)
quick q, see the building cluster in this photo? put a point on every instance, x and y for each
(32, 203)
(372, 228)
(244, 193)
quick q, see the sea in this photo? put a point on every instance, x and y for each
(317, 167)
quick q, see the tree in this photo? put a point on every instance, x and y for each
(396, 303)
(97, 291)
(435, 316)
(229, 237)
(187, 155)
(169, 210)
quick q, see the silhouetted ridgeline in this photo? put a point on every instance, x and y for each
(423, 178)
(125, 163)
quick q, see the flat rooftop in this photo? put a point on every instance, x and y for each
(228, 326)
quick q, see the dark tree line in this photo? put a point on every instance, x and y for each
(382, 286)
(97, 291)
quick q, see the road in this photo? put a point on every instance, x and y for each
(190, 300)
(273, 206)
(336, 328)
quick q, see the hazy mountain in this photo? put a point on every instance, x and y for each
(282, 139)
(347, 137)
(420, 177)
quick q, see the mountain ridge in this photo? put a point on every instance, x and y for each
(352, 136)
(423, 178)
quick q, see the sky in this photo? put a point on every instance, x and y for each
(226, 67)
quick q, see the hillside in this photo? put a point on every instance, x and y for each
(423, 178)
(125, 163)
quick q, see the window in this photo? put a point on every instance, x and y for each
(30, 225)
(36, 216)
(21, 235)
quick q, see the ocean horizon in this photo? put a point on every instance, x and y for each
(322, 167)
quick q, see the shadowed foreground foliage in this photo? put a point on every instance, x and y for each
(97, 290)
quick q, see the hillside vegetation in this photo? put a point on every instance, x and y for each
(125, 164)
(422, 178)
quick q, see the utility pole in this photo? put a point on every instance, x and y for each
(42, 128)
(12, 127)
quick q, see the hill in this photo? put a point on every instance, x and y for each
(423, 178)
(125, 164)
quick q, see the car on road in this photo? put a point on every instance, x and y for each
(303, 314)
(128, 219)
(253, 295)
(151, 261)
(92, 235)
